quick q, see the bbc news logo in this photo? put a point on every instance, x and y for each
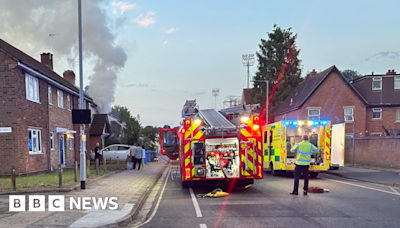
(57, 203)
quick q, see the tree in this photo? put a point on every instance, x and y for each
(149, 136)
(279, 64)
(351, 74)
(133, 128)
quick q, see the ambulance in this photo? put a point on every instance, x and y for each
(281, 136)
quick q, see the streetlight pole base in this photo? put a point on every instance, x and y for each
(83, 185)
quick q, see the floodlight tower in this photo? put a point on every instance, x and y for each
(215, 93)
(248, 60)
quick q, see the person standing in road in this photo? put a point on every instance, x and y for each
(132, 154)
(137, 156)
(143, 155)
(304, 151)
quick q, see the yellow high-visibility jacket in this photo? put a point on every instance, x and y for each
(304, 151)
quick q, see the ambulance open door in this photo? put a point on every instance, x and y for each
(169, 143)
(337, 144)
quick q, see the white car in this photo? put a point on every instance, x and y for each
(115, 152)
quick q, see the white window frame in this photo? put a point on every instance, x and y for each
(70, 143)
(60, 98)
(69, 102)
(377, 79)
(377, 110)
(397, 115)
(37, 135)
(50, 92)
(349, 118)
(396, 79)
(52, 140)
(34, 82)
(84, 104)
(379, 134)
(310, 117)
(349, 136)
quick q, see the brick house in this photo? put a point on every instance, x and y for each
(99, 130)
(328, 95)
(36, 104)
(382, 92)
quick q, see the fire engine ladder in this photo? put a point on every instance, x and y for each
(214, 119)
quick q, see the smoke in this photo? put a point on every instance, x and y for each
(27, 25)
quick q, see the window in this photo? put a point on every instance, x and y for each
(50, 95)
(34, 141)
(396, 82)
(376, 134)
(313, 114)
(377, 83)
(60, 99)
(69, 102)
(52, 140)
(32, 88)
(84, 104)
(348, 115)
(376, 113)
(397, 114)
(70, 143)
(349, 136)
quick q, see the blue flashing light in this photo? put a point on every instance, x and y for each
(286, 123)
(316, 123)
(294, 123)
(324, 122)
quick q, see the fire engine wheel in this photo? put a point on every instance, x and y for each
(313, 175)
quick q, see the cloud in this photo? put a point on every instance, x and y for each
(137, 85)
(122, 7)
(384, 54)
(144, 21)
(165, 44)
(171, 30)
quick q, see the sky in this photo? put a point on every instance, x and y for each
(152, 56)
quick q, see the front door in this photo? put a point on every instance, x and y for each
(61, 146)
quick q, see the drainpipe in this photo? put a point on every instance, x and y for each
(49, 148)
(354, 135)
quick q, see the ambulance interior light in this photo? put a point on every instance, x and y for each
(309, 123)
(301, 123)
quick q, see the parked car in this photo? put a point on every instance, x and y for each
(115, 152)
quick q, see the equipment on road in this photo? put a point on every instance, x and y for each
(210, 147)
(281, 136)
(214, 194)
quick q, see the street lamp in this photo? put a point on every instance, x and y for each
(266, 109)
(248, 60)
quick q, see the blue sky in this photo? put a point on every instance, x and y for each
(178, 50)
(205, 50)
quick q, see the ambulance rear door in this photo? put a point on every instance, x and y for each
(337, 144)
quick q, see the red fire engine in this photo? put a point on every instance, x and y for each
(210, 147)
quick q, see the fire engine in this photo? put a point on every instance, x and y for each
(281, 136)
(210, 147)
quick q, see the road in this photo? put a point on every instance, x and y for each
(268, 204)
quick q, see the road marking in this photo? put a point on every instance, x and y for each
(203, 226)
(195, 203)
(375, 189)
(394, 190)
(158, 203)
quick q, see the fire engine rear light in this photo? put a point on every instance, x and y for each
(259, 170)
(183, 130)
(256, 127)
(187, 173)
(197, 121)
(244, 119)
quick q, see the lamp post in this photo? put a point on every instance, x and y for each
(81, 97)
(248, 60)
(267, 102)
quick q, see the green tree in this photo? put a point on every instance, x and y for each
(351, 74)
(278, 63)
(132, 132)
(149, 136)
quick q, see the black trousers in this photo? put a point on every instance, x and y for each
(138, 161)
(300, 169)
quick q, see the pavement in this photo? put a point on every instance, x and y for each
(368, 175)
(131, 187)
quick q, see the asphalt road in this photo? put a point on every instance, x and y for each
(268, 204)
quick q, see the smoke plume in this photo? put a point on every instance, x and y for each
(27, 25)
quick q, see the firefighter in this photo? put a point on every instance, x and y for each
(304, 151)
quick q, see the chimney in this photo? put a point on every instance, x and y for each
(391, 72)
(313, 73)
(69, 75)
(47, 59)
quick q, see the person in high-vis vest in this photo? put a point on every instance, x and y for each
(304, 151)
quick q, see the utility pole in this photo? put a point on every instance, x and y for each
(81, 97)
(267, 100)
(248, 60)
